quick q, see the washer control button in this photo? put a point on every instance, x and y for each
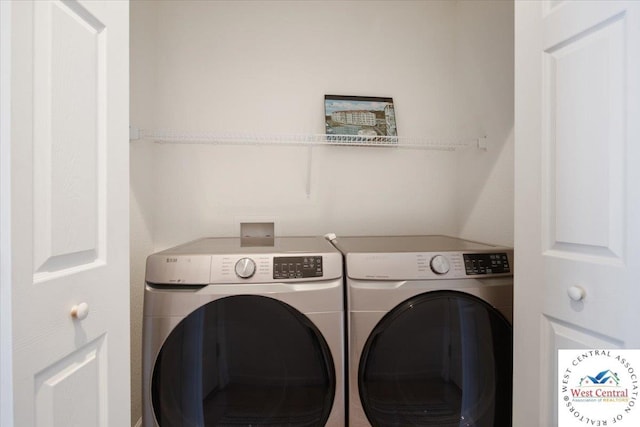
(440, 264)
(245, 268)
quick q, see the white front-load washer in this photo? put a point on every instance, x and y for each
(429, 331)
(244, 335)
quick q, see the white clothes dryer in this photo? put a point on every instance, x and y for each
(244, 336)
(429, 331)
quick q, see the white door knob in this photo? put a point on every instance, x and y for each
(80, 311)
(576, 293)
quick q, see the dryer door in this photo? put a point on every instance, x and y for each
(243, 360)
(441, 359)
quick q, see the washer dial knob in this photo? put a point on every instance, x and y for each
(245, 268)
(440, 264)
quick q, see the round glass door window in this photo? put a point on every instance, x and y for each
(440, 359)
(244, 361)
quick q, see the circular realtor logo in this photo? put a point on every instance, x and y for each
(598, 388)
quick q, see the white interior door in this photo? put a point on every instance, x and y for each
(69, 208)
(577, 212)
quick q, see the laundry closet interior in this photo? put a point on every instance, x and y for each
(243, 74)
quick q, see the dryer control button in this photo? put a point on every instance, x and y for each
(440, 264)
(245, 268)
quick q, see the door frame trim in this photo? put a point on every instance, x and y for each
(6, 338)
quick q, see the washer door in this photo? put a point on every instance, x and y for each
(244, 360)
(441, 359)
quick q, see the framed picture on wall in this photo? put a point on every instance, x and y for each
(365, 116)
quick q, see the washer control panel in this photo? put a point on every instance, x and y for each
(430, 265)
(486, 263)
(297, 267)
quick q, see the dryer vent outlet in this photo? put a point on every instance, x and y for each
(257, 234)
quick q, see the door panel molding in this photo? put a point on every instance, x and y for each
(584, 144)
(79, 378)
(558, 334)
(69, 137)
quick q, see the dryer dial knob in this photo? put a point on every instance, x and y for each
(440, 264)
(245, 268)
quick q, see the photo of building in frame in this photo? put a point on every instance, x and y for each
(359, 115)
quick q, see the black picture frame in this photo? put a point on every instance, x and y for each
(361, 116)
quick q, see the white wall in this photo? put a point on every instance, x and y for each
(264, 67)
(485, 78)
(142, 88)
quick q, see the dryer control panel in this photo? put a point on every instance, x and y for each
(241, 268)
(297, 267)
(224, 261)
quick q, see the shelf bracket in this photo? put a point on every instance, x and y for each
(482, 143)
(309, 168)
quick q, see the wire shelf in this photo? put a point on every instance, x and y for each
(398, 142)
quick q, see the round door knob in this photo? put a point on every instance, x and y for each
(576, 293)
(440, 264)
(80, 311)
(245, 268)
